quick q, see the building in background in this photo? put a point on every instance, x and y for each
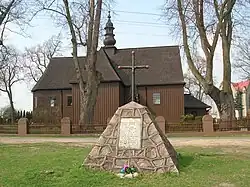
(160, 88)
(241, 93)
(194, 106)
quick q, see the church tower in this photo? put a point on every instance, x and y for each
(109, 40)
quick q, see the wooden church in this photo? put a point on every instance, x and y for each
(160, 87)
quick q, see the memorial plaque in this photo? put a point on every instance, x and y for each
(130, 133)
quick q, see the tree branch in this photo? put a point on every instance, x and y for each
(5, 12)
(186, 45)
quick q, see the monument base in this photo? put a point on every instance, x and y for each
(133, 138)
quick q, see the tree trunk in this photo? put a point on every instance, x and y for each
(228, 109)
(88, 99)
(12, 112)
(225, 104)
(223, 98)
(88, 88)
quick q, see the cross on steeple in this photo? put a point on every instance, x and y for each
(133, 67)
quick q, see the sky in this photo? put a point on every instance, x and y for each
(137, 24)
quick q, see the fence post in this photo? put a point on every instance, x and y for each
(65, 126)
(207, 124)
(160, 120)
(23, 126)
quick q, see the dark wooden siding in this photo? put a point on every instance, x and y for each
(108, 100)
(43, 98)
(172, 101)
(76, 103)
(122, 94)
(142, 91)
(67, 110)
(110, 97)
(43, 108)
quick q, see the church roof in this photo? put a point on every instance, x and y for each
(164, 67)
(191, 102)
(60, 72)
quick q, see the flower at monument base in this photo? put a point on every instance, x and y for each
(128, 172)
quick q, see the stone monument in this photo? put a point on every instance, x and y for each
(132, 137)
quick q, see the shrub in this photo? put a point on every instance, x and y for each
(187, 117)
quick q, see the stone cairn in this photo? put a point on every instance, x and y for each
(133, 138)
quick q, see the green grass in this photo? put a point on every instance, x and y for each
(60, 165)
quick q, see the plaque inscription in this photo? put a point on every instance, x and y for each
(130, 133)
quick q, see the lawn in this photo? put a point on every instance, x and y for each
(60, 165)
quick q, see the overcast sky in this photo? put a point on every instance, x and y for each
(131, 30)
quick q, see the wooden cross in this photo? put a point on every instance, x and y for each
(133, 67)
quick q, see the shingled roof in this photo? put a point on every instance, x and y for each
(165, 67)
(60, 72)
(191, 102)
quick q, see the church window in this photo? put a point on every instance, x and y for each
(69, 100)
(156, 98)
(52, 101)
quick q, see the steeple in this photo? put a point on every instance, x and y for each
(109, 40)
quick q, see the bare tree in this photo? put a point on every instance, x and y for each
(37, 58)
(10, 74)
(12, 12)
(83, 21)
(193, 86)
(5, 9)
(203, 25)
(242, 59)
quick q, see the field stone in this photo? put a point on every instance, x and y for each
(120, 162)
(146, 143)
(128, 153)
(151, 150)
(151, 153)
(95, 150)
(102, 140)
(159, 162)
(151, 129)
(144, 163)
(157, 139)
(105, 150)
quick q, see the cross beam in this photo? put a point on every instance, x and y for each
(133, 67)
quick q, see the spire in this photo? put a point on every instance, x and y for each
(109, 40)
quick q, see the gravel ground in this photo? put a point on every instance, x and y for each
(190, 141)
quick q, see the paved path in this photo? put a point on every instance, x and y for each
(187, 141)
